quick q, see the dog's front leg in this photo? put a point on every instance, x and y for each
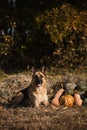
(36, 104)
(45, 100)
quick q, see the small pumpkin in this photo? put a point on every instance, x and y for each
(67, 100)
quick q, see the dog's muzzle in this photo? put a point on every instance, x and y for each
(38, 81)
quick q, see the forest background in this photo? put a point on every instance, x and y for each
(42, 32)
(51, 33)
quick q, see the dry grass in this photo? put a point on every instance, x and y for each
(73, 118)
(2, 75)
(42, 118)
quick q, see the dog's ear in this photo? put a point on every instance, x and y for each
(33, 70)
(44, 70)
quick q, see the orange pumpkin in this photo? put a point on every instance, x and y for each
(67, 100)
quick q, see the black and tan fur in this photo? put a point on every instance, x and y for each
(36, 93)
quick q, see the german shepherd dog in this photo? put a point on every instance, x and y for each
(35, 93)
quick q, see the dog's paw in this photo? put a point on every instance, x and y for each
(45, 103)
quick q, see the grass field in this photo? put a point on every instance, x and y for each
(42, 118)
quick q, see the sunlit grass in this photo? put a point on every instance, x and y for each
(3, 75)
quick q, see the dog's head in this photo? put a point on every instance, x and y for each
(38, 78)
